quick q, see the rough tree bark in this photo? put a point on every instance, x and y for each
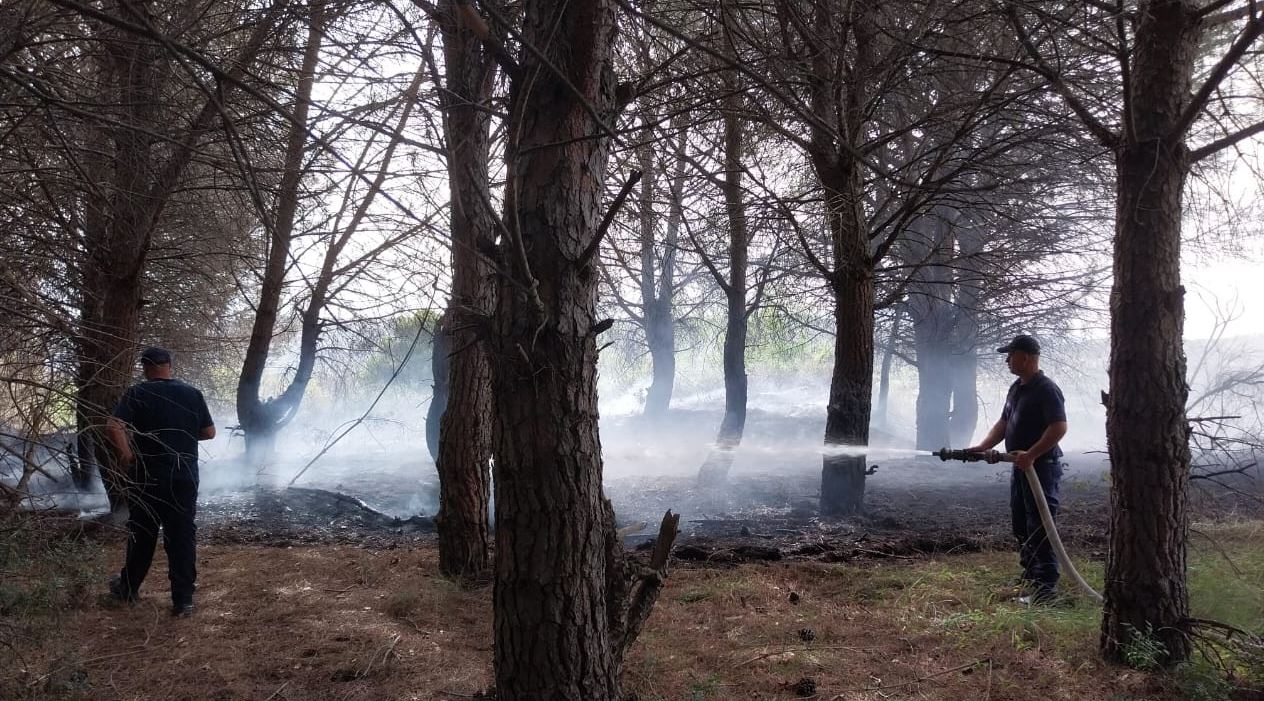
(1146, 425)
(464, 447)
(116, 234)
(566, 608)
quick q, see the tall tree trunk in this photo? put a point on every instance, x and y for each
(934, 388)
(658, 290)
(261, 420)
(884, 373)
(719, 459)
(464, 451)
(116, 238)
(851, 382)
(657, 317)
(964, 421)
(841, 84)
(1146, 426)
(928, 245)
(965, 360)
(567, 605)
(440, 368)
(268, 418)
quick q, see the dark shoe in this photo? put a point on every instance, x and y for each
(1015, 588)
(118, 595)
(182, 610)
(1023, 584)
(1047, 598)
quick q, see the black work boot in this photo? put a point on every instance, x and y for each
(119, 595)
(182, 610)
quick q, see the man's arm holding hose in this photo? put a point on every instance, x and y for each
(993, 437)
(1024, 459)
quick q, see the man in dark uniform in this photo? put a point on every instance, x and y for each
(165, 418)
(1032, 423)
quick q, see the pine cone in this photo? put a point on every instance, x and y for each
(807, 635)
(805, 687)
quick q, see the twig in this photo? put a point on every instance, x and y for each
(883, 687)
(1227, 630)
(394, 375)
(619, 199)
(804, 648)
(278, 691)
(1219, 549)
(134, 651)
(385, 655)
(879, 553)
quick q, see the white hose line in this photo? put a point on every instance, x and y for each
(1051, 532)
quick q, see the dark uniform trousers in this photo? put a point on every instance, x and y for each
(1035, 554)
(171, 504)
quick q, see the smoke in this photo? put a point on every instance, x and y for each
(384, 460)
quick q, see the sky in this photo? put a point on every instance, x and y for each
(1236, 285)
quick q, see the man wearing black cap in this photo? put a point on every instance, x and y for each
(166, 418)
(1032, 423)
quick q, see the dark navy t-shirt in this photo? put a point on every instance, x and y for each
(166, 418)
(1029, 409)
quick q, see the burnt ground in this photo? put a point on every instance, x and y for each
(912, 507)
(372, 493)
(767, 510)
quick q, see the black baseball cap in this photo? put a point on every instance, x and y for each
(154, 355)
(1021, 342)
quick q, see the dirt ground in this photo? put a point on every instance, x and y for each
(368, 618)
(343, 622)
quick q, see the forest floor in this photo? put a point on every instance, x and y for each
(910, 602)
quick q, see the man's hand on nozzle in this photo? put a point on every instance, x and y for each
(987, 454)
(1024, 459)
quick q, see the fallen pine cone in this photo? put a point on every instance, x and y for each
(805, 687)
(807, 635)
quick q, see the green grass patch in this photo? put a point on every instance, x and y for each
(723, 587)
(45, 575)
(1226, 574)
(967, 598)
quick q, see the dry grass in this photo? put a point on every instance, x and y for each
(345, 623)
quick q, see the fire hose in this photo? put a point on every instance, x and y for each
(1042, 505)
